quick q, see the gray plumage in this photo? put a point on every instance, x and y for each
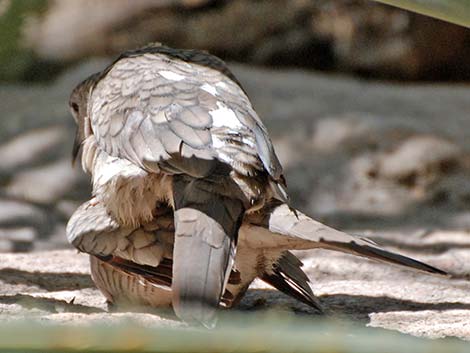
(206, 230)
(162, 128)
(146, 108)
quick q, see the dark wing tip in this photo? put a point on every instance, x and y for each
(288, 277)
(377, 253)
(406, 261)
(288, 287)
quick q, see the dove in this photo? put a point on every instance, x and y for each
(133, 265)
(169, 135)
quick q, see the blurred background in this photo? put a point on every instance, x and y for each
(368, 105)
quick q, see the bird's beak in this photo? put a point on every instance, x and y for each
(77, 144)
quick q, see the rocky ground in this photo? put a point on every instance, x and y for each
(359, 155)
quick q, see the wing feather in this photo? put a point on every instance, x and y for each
(154, 111)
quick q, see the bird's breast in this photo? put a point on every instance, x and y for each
(129, 193)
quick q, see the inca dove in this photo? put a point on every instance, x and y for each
(139, 272)
(162, 126)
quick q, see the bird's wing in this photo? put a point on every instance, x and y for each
(93, 231)
(286, 275)
(179, 114)
(126, 260)
(285, 228)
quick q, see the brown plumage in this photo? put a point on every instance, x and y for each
(162, 128)
(133, 265)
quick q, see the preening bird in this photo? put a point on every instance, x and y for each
(189, 200)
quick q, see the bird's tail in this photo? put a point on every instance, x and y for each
(286, 228)
(206, 228)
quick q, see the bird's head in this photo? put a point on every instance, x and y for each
(78, 104)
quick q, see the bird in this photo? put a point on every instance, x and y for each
(139, 271)
(189, 202)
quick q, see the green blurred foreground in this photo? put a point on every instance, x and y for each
(453, 11)
(234, 333)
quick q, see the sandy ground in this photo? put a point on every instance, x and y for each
(56, 286)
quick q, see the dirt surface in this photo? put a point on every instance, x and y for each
(56, 286)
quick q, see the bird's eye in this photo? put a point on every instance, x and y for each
(75, 107)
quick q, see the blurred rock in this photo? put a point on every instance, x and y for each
(402, 173)
(30, 147)
(55, 239)
(83, 25)
(420, 160)
(67, 207)
(356, 154)
(357, 146)
(358, 36)
(332, 133)
(14, 213)
(17, 239)
(45, 184)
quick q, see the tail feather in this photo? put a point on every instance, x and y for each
(293, 230)
(288, 277)
(206, 227)
(200, 266)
